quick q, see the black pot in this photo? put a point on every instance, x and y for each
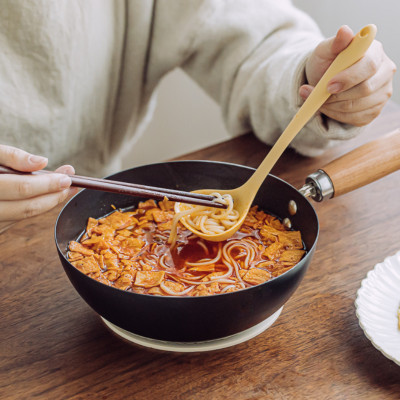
(187, 319)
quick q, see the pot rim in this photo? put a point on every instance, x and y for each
(308, 254)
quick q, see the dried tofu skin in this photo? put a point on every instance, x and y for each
(255, 276)
(129, 250)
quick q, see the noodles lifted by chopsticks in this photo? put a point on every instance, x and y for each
(130, 251)
(207, 220)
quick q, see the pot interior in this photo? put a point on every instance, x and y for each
(187, 318)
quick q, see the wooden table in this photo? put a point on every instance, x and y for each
(53, 346)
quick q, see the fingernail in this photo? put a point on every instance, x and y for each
(305, 92)
(65, 182)
(37, 159)
(335, 87)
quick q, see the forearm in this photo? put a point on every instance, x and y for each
(247, 55)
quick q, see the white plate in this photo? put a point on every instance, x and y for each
(377, 303)
(188, 347)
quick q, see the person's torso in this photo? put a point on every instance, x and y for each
(71, 75)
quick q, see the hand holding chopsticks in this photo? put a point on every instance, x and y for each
(131, 189)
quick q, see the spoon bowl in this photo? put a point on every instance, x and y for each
(242, 204)
(244, 195)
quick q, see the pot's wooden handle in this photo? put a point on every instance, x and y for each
(366, 164)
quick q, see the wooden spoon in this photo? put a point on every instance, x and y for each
(243, 196)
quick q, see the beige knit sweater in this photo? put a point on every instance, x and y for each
(77, 77)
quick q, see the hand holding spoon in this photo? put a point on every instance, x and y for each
(243, 196)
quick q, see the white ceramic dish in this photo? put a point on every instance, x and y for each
(377, 304)
(190, 347)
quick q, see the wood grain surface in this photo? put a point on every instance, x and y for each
(53, 346)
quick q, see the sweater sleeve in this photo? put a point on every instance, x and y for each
(249, 56)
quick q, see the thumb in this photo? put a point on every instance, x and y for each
(325, 53)
(339, 42)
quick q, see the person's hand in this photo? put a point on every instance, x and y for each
(23, 196)
(359, 92)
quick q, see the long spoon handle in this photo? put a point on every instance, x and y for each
(353, 52)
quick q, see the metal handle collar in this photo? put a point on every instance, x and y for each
(318, 186)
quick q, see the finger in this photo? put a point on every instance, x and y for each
(343, 38)
(305, 91)
(16, 187)
(17, 210)
(328, 49)
(357, 104)
(382, 79)
(361, 118)
(73, 191)
(347, 82)
(362, 70)
(325, 53)
(69, 170)
(21, 160)
(66, 169)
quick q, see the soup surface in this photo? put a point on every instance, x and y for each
(129, 250)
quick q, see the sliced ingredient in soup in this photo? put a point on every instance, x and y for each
(129, 250)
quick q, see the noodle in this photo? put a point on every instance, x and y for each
(172, 292)
(208, 220)
(227, 288)
(206, 262)
(130, 250)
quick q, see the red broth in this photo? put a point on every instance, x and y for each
(129, 250)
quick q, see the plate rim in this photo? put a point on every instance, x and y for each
(358, 305)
